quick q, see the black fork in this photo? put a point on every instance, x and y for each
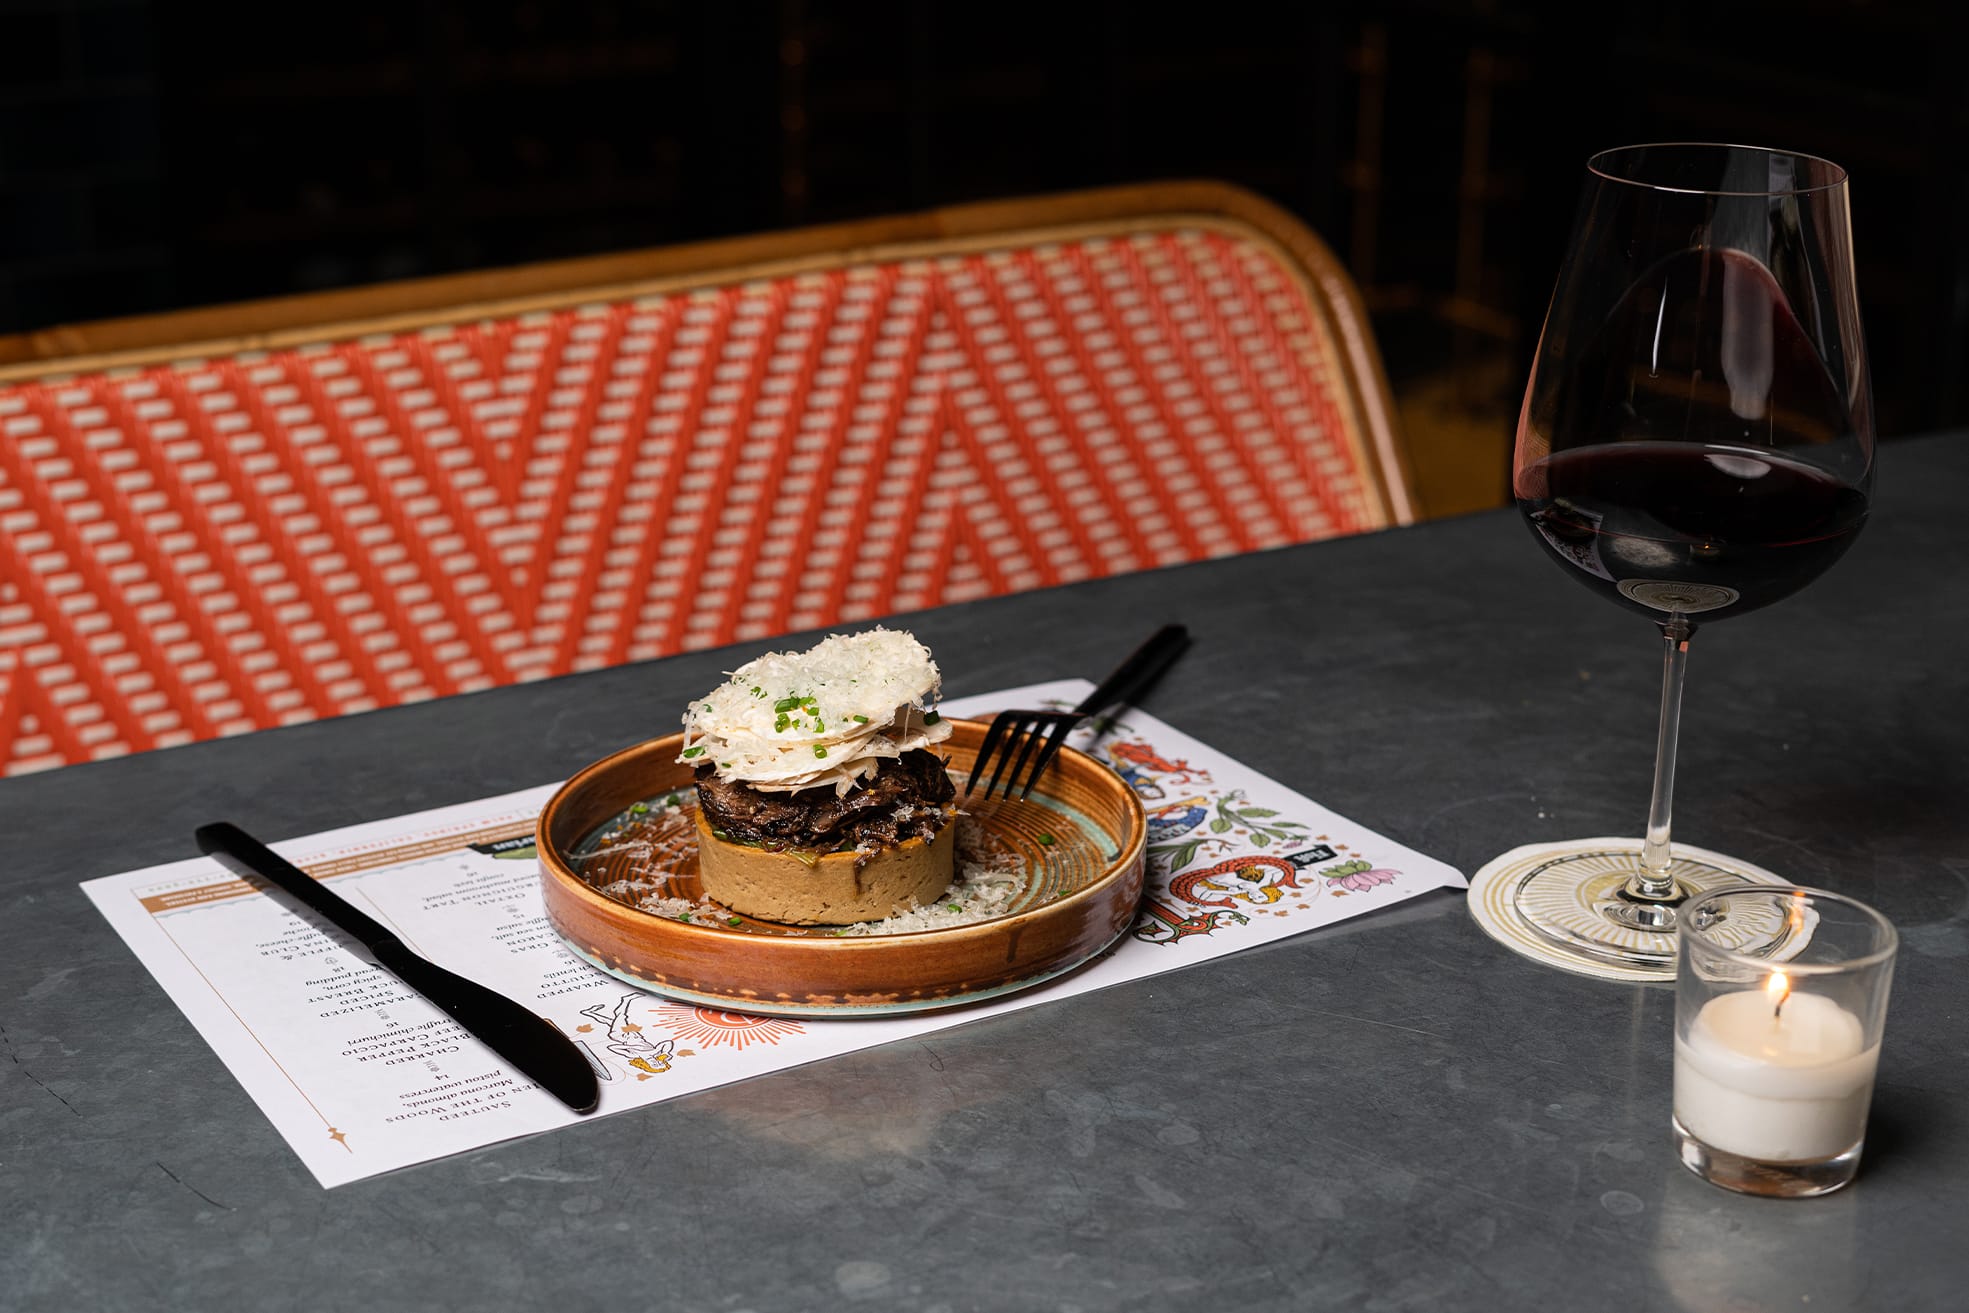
(1017, 738)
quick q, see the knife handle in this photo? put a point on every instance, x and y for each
(245, 856)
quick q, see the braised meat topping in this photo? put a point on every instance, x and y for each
(904, 800)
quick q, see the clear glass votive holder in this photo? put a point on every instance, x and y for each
(1775, 1050)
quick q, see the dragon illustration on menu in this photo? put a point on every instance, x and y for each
(1207, 867)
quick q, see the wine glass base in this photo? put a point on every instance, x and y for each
(1563, 904)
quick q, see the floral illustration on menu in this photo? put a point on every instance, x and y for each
(1216, 857)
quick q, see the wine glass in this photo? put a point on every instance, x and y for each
(1696, 442)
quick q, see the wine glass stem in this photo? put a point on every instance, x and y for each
(1653, 882)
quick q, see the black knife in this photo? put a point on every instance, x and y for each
(527, 1041)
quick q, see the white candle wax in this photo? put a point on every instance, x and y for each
(1793, 1087)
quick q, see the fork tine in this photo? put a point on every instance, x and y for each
(1020, 736)
(1032, 730)
(1054, 742)
(983, 759)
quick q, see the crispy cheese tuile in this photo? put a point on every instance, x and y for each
(796, 720)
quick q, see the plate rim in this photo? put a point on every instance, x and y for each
(1131, 855)
(850, 1011)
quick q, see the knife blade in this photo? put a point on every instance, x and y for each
(527, 1041)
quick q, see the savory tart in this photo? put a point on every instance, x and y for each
(819, 799)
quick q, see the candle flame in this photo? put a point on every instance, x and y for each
(1777, 989)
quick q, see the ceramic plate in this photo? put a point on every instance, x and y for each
(1076, 846)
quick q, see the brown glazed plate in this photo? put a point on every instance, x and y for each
(1078, 844)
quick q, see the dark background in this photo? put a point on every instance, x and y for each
(157, 155)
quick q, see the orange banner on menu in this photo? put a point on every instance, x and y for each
(410, 852)
(173, 899)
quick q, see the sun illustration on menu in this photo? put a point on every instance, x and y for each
(714, 1028)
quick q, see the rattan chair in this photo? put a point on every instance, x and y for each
(227, 519)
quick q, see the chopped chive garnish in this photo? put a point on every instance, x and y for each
(1046, 839)
(861, 720)
(758, 692)
(954, 907)
(707, 708)
(787, 704)
(931, 718)
(779, 726)
(819, 751)
(694, 752)
(731, 920)
(640, 808)
(683, 916)
(818, 726)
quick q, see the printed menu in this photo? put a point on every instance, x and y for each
(361, 1075)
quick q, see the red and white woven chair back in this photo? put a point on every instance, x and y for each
(210, 546)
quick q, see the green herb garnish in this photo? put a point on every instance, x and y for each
(819, 751)
(1046, 839)
(931, 718)
(694, 752)
(787, 704)
(861, 720)
(639, 809)
(732, 920)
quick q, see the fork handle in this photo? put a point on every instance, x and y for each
(1138, 671)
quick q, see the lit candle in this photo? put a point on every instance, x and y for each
(1774, 1075)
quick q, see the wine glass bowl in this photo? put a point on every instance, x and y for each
(1696, 442)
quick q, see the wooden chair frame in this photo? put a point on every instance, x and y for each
(1367, 409)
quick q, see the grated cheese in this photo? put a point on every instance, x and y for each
(985, 888)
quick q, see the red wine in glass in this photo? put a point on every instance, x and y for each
(1706, 531)
(1696, 443)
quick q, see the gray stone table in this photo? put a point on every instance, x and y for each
(1393, 1113)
